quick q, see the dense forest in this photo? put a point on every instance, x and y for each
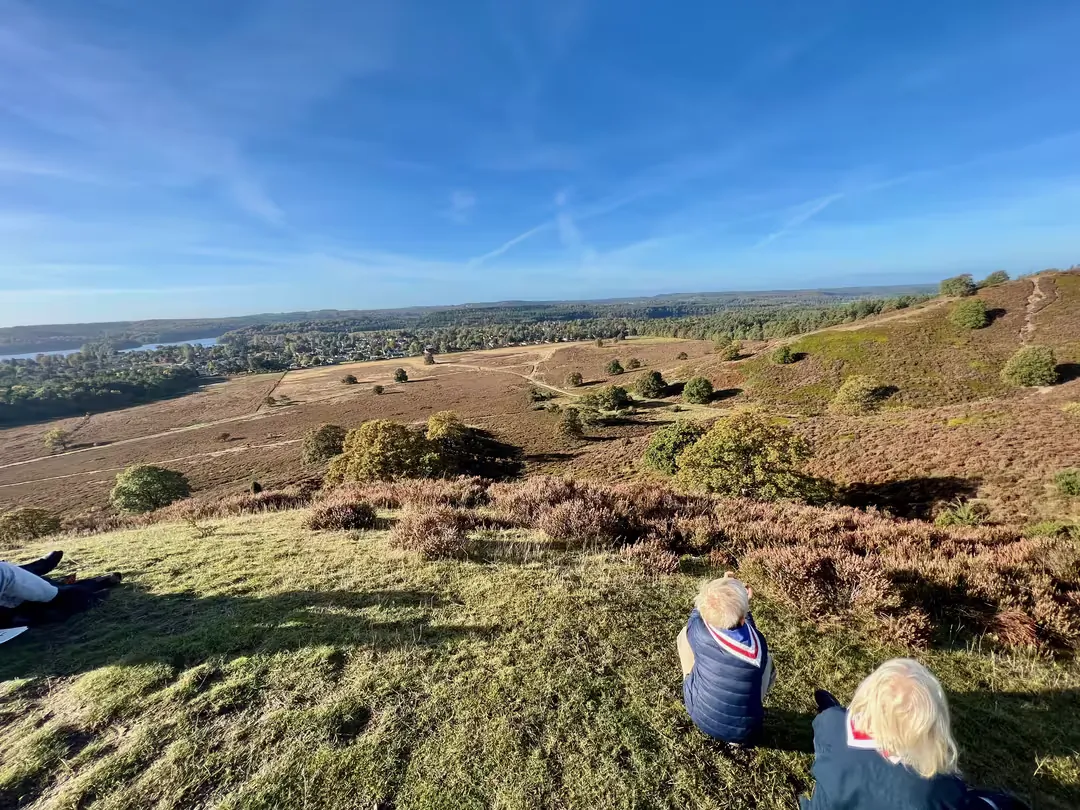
(129, 334)
(99, 377)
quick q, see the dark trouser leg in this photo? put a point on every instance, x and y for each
(44, 565)
(825, 700)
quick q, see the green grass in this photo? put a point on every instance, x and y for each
(267, 667)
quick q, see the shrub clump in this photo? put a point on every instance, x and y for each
(1068, 483)
(401, 375)
(608, 398)
(970, 314)
(697, 391)
(858, 394)
(1031, 366)
(341, 515)
(614, 367)
(747, 455)
(322, 444)
(651, 385)
(668, 443)
(783, 356)
(730, 351)
(653, 558)
(682, 356)
(434, 533)
(382, 450)
(574, 379)
(632, 364)
(145, 487)
(377, 389)
(994, 279)
(569, 425)
(463, 491)
(27, 523)
(349, 379)
(959, 286)
(963, 513)
(579, 522)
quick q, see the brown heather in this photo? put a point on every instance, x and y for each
(462, 491)
(439, 532)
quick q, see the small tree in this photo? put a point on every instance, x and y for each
(401, 375)
(614, 367)
(56, 439)
(599, 343)
(783, 356)
(633, 363)
(969, 314)
(27, 523)
(958, 286)
(377, 389)
(730, 351)
(349, 379)
(682, 356)
(1031, 366)
(574, 379)
(145, 487)
(322, 444)
(381, 450)
(994, 279)
(697, 391)
(746, 455)
(429, 358)
(609, 398)
(857, 394)
(569, 425)
(652, 385)
(666, 445)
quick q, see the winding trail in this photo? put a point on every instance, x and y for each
(1038, 295)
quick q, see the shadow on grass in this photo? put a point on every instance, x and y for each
(185, 629)
(540, 458)
(1067, 372)
(476, 451)
(910, 497)
(786, 730)
(724, 393)
(993, 314)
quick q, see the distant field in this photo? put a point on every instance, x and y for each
(268, 667)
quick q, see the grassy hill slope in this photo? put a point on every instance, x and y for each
(271, 667)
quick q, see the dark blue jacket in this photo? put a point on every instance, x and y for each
(849, 776)
(723, 692)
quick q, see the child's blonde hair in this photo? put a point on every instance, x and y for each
(723, 603)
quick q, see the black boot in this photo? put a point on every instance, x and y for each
(45, 564)
(825, 700)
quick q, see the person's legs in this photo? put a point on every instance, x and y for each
(17, 585)
(686, 655)
(825, 700)
(45, 564)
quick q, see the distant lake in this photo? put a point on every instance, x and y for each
(212, 341)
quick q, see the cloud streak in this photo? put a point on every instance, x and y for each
(803, 214)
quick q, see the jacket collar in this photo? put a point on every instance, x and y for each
(860, 739)
(750, 652)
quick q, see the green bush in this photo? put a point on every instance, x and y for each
(958, 286)
(994, 279)
(633, 363)
(667, 443)
(730, 351)
(783, 356)
(682, 356)
(697, 391)
(969, 314)
(377, 389)
(857, 394)
(747, 455)
(27, 523)
(444, 425)
(349, 379)
(1068, 483)
(145, 487)
(401, 375)
(382, 450)
(1030, 366)
(56, 439)
(429, 359)
(651, 385)
(574, 379)
(569, 425)
(322, 444)
(614, 367)
(608, 398)
(963, 513)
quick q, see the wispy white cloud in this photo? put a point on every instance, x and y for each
(476, 261)
(462, 202)
(802, 214)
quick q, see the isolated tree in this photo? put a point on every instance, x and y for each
(27, 523)
(145, 487)
(574, 379)
(747, 455)
(614, 367)
(633, 363)
(429, 358)
(569, 425)
(382, 450)
(730, 351)
(349, 379)
(959, 286)
(56, 439)
(599, 343)
(322, 444)
(697, 391)
(994, 279)
(969, 314)
(377, 389)
(668, 443)
(783, 356)
(651, 385)
(401, 375)
(444, 425)
(1031, 366)
(608, 398)
(682, 356)
(858, 394)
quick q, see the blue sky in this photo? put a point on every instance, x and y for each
(175, 159)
